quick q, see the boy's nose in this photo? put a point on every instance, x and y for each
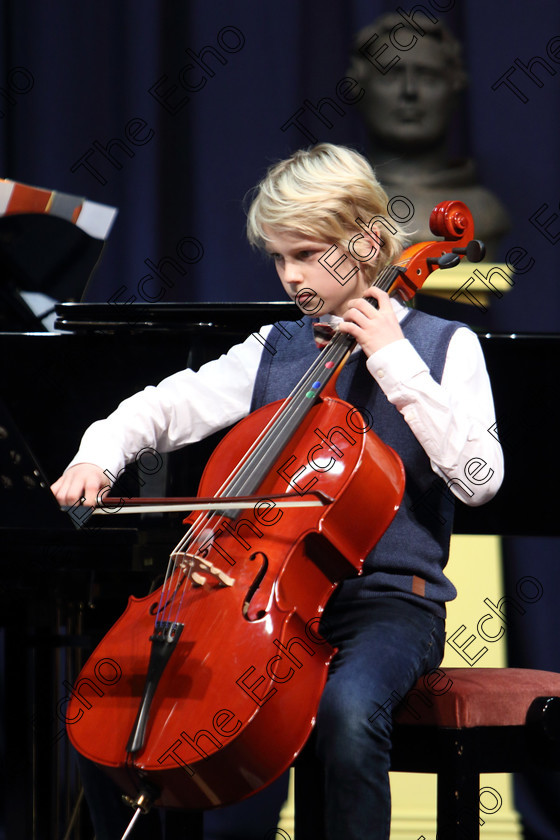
(292, 273)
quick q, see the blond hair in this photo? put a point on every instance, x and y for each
(321, 192)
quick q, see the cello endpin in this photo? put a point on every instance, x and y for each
(142, 804)
(132, 821)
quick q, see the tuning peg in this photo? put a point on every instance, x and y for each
(445, 261)
(475, 250)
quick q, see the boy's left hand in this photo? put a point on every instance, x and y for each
(372, 328)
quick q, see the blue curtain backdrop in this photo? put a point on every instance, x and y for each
(99, 110)
(94, 101)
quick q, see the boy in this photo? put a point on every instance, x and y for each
(425, 383)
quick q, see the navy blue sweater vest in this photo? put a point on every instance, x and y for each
(409, 559)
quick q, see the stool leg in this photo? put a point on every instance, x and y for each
(458, 790)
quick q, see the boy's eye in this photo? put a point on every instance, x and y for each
(300, 255)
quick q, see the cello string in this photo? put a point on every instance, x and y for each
(329, 356)
(239, 476)
(281, 420)
(330, 352)
(244, 471)
(285, 409)
(242, 475)
(239, 480)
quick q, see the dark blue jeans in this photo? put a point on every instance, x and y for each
(384, 645)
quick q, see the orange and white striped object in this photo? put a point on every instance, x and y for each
(93, 218)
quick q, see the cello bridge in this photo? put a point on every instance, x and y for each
(199, 567)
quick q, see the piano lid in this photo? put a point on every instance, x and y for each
(238, 318)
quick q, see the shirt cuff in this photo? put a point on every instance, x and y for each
(98, 447)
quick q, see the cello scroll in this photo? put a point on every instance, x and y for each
(453, 221)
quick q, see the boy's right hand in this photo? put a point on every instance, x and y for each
(79, 481)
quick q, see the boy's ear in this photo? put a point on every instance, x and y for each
(365, 246)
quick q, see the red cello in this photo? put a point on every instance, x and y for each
(205, 691)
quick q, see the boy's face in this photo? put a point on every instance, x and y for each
(309, 282)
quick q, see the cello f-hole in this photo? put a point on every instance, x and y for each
(254, 587)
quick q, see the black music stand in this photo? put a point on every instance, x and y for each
(25, 498)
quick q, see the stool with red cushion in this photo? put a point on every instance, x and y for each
(458, 723)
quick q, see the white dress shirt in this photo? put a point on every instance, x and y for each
(451, 421)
